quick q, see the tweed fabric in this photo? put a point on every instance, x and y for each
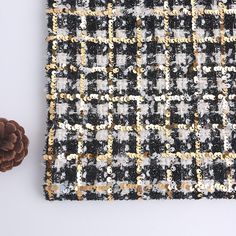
(141, 97)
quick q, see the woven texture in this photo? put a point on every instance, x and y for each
(141, 97)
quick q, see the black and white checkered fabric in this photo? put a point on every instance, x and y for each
(142, 99)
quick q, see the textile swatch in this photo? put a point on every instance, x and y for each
(141, 99)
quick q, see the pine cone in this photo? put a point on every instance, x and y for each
(13, 144)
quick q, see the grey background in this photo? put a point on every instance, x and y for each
(23, 210)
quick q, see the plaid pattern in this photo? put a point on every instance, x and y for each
(141, 98)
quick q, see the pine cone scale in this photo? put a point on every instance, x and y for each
(2, 128)
(12, 138)
(7, 146)
(9, 128)
(5, 166)
(8, 156)
(19, 147)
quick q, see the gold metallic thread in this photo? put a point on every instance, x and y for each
(110, 103)
(138, 112)
(50, 188)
